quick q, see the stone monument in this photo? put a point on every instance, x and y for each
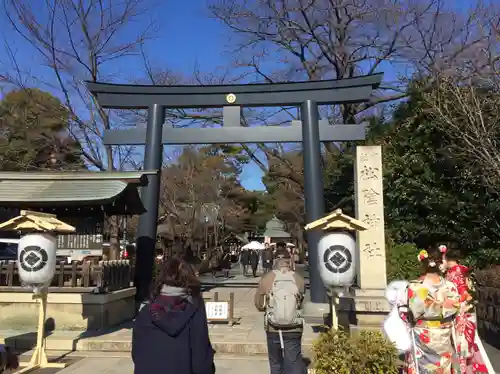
(370, 209)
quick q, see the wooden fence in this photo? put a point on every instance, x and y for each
(101, 277)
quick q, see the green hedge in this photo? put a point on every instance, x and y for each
(402, 261)
(367, 352)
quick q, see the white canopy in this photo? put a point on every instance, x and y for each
(254, 245)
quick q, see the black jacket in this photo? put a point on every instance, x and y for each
(170, 336)
(245, 258)
(254, 259)
(267, 258)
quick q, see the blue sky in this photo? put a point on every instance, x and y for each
(185, 37)
(189, 38)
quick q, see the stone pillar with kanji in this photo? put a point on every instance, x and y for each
(371, 269)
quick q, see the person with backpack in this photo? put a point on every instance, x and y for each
(280, 295)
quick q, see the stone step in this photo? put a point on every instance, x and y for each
(117, 345)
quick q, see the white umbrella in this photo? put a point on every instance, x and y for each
(254, 245)
(290, 245)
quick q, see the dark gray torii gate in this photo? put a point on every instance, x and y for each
(310, 131)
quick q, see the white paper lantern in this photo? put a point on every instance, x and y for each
(36, 259)
(337, 259)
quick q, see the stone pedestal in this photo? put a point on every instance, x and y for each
(316, 313)
(371, 266)
(361, 309)
(68, 310)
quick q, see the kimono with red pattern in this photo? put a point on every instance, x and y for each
(465, 324)
(433, 308)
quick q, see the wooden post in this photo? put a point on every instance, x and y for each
(60, 280)
(74, 273)
(231, 308)
(10, 274)
(85, 282)
(335, 301)
(39, 359)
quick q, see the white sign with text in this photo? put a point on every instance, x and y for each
(217, 310)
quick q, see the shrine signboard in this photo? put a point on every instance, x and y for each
(88, 235)
(217, 310)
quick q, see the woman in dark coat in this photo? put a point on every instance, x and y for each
(170, 334)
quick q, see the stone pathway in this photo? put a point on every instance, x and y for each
(242, 345)
(237, 279)
(125, 366)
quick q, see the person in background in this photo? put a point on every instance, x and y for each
(244, 261)
(214, 264)
(254, 261)
(260, 267)
(170, 333)
(433, 304)
(470, 357)
(226, 264)
(267, 258)
(280, 294)
(291, 250)
(281, 248)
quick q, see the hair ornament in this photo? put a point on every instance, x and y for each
(432, 264)
(422, 255)
(443, 249)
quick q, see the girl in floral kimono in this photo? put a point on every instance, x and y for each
(433, 304)
(466, 339)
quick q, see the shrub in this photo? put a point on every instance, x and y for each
(402, 261)
(368, 353)
(482, 258)
(488, 277)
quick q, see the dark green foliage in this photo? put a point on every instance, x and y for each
(488, 277)
(431, 194)
(402, 262)
(482, 258)
(34, 133)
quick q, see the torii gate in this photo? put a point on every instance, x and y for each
(310, 131)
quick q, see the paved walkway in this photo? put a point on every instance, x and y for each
(236, 278)
(125, 366)
(245, 340)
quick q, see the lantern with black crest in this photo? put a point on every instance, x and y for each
(36, 262)
(337, 255)
(36, 254)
